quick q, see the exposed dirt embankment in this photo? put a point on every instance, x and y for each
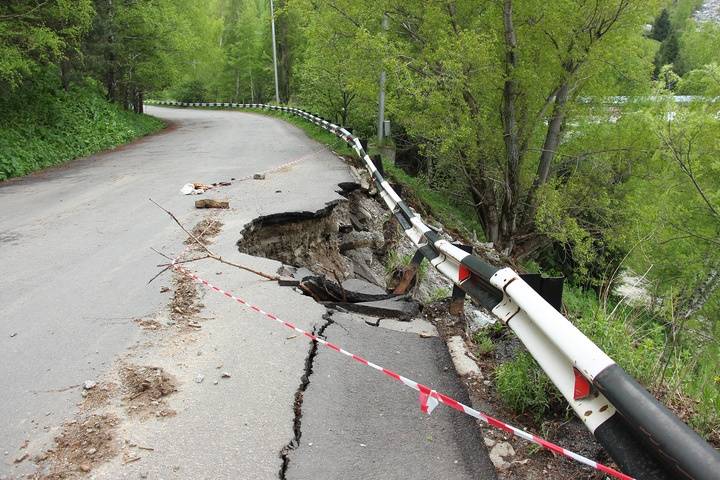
(344, 240)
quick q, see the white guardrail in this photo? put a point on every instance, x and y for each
(643, 437)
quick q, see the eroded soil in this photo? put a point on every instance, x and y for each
(145, 391)
(81, 445)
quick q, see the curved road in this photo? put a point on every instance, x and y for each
(75, 252)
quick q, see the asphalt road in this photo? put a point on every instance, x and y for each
(75, 258)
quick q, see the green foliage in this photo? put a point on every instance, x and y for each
(524, 387)
(34, 34)
(44, 126)
(704, 81)
(193, 91)
(698, 46)
(662, 26)
(483, 343)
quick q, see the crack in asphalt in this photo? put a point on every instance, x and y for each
(304, 383)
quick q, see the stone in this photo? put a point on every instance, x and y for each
(259, 176)
(479, 319)
(91, 451)
(362, 287)
(89, 385)
(355, 240)
(302, 273)
(14, 334)
(225, 375)
(361, 259)
(489, 442)
(85, 467)
(288, 282)
(499, 453)
(200, 377)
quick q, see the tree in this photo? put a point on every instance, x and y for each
(34, 34)
(662, 26)
(341, 59)
(137, 46)
(503, 79)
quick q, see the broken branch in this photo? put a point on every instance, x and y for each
(209, 252)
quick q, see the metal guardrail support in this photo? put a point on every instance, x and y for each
(457, 300)
(409, 274)
(641, 435)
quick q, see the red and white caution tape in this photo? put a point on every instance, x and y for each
(428, 398)
(284, 165)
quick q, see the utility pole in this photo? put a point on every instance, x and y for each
(272, 23)
(381, 100)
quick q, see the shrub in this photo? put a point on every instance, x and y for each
(524, 387)
(41, 125)
(194, 91)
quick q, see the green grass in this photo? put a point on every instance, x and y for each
(437, 204)
(483, 342)
(41, 127)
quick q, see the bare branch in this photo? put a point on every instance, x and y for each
(210, 253)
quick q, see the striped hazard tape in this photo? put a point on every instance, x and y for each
(284, 165)
(428, 398)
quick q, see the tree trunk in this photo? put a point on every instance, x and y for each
(237, 85)
(508, 214)
(283, 46)
(553, 135)
(65, 69)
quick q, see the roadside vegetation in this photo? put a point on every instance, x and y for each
(44, 126)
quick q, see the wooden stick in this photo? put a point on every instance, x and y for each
(210, 253)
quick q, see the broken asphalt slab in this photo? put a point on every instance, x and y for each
(358, 424)
(402, 308)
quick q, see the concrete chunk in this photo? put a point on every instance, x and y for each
(458, 352)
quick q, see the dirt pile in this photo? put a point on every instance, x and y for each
(184, 303)
(81, 446)
(205, 231)
(146, 389)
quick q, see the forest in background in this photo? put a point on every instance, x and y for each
(551, 126)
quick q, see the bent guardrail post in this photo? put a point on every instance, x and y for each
(642, 436)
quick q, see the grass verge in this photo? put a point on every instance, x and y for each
(41, 127)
